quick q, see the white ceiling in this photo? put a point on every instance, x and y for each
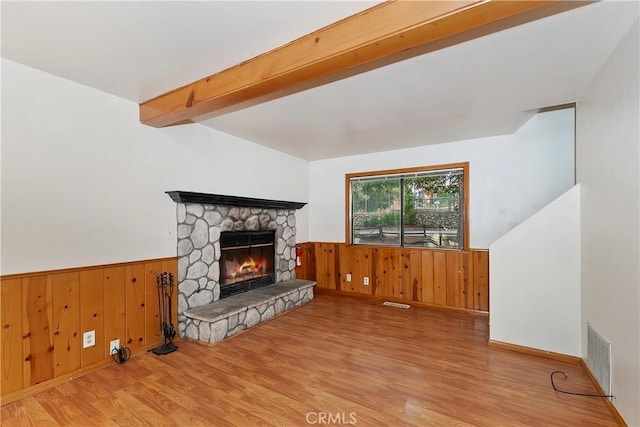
(487, 86)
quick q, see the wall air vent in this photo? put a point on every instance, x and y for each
(599, 358)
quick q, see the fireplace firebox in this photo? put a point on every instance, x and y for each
(246, 261)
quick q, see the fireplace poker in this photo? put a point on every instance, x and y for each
(170, 331)
(160, 301)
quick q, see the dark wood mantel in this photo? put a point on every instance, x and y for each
(221, 199)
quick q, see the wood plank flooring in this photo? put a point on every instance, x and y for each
(338, 360)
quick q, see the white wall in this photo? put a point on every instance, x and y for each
(608, 160)
(535, 280)
(511, 176)
(83, 181)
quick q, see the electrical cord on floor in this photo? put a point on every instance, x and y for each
(121, 355)
(570, 392)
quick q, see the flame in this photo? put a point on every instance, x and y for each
(249, 268)
(249, 264)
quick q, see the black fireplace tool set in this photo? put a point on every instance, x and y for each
(164, 284)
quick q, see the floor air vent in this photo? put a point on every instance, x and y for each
(599, 358)
(396, 304)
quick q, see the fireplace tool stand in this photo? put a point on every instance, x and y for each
(164, 284)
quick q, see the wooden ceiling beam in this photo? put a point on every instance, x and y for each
(383, 34)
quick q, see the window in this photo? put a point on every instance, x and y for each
(423, 207)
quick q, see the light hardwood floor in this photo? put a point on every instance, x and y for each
(349, 358)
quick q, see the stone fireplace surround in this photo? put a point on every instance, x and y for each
(201, 218)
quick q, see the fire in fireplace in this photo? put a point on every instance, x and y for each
(246, 261)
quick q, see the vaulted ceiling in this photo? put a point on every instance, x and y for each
(488, 85)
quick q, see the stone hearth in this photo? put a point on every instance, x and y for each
(217, 321)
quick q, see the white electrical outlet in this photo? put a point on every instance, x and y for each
(114, 346)
(89, 339)
(348, 277)
(366, 281)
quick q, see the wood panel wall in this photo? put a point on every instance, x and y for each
(457, 280)
(44, 316)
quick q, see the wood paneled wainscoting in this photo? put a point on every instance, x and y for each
(45, 314)
(454, 280)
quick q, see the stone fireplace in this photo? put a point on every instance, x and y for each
(215, 228)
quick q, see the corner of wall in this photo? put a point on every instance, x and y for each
(535, 280)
